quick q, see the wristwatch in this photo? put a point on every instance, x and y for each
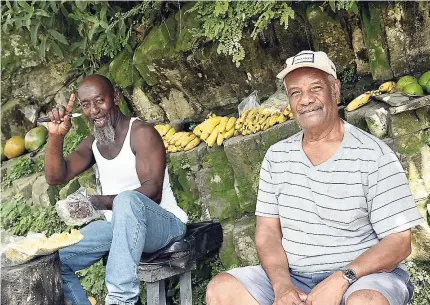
(349, 275)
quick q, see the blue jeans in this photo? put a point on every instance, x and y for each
(138, 225)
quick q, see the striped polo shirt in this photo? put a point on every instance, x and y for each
(333, 212)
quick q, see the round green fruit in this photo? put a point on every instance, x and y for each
(427, 87)
(413, 89)
(14, 147)
(424, 79)
(35, 138)
(405, 80)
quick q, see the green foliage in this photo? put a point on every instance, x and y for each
(19, 218)
(23, 167)
(71, 141)
(93, 281)
(225, 22)
(421, 280)
(84, 32)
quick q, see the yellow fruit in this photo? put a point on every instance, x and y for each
(387, 87)
(236, 133)
(172, 148)
(266, 125)
(14, 147)
(222, 124)
(169, 134)
(210, 124)
(197, 130)
(239, 124)
(229, 133)
(193, 143)
(358, 101)
(281, 118)
(291, 116)
(92, 301)
(274, 119)
(162, 129)
(175, 138)
(187, 139)
(220, 138)
(230, 124)
(213, 136)
(256, 128)
(165, 144)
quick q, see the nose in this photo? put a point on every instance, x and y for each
(307, 98)
(94, 109)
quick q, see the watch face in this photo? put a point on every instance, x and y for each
(349, 273)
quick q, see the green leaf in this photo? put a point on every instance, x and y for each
(104, 24)
(8, 4)
(42, 47)
(57, 50)
(93, 30)
(24, 5)
(82, 5)
(79, 62)
(40, 12)
(58, 36)
(54, 6)
(33, 33)
(103, 13)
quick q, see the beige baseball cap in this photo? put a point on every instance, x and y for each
(318, 60)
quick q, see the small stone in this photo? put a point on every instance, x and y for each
(69, 188)
(377, 122)
(44, 194)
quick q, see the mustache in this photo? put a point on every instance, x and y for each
(309, 109)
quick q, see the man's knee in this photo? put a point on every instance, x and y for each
(218, 289)
(367, 297)
(127, 200)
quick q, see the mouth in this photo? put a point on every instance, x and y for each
(307, 111)
(100, 122)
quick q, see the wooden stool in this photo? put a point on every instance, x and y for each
(154, 276)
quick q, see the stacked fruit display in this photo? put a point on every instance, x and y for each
(16, 145)
(258, 119)
(215, 129)
(177, 141)
(408, 85)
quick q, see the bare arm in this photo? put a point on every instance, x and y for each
(268, 238)
(150, 164)
(57, 169)
(385, 256)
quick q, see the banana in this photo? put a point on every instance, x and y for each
(175, 138)
(281, 118)
(387, 87)
(213, 136)
(274, 119)
(210, 124)
(230, 124)
(193, 143)
(263, 117)
(165, 144)
(239, 124)
(220, 138)
(187, 139)
(197, 130)
(236, 133)
(169, 134)
(229, 133)
(359, 101)
(291, 116)
(162, 129)
(256, 128)
(172, 148)
(223, 123)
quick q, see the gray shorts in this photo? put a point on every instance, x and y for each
(395, 286)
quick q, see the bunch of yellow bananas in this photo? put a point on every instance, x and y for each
(215, 129)
(254, 120)
(363, 99)
(177, 141)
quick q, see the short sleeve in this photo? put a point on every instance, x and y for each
(392, 208)
(267, 202)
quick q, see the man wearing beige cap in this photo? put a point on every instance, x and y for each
(334, 209)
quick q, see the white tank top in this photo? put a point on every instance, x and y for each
(119, 175)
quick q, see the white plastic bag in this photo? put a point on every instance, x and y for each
(251, 101)
(77, 209)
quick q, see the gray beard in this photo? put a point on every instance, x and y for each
(104, 135)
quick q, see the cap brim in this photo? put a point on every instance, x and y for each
(287, 70)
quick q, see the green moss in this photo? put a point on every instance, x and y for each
(412, 143)
(222, 184)
(69, 188)
(405, 123)
(374, 39)
(88, 180)
(159, 44)
(122, 71)
(185, 22)
(227, 252)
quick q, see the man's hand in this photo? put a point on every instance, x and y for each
(289, 295)
(60, 122)
(329, 292)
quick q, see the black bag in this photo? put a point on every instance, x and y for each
(200, 239)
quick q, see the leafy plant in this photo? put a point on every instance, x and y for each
(225, 22)
(421, 280)
(23, 167)
(71, 141)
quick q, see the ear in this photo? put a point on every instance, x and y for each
(337, 88)
(116, 98)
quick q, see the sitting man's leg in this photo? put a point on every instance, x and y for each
(247, 285)
(95, 244)
(386, 288)
(139, 225)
